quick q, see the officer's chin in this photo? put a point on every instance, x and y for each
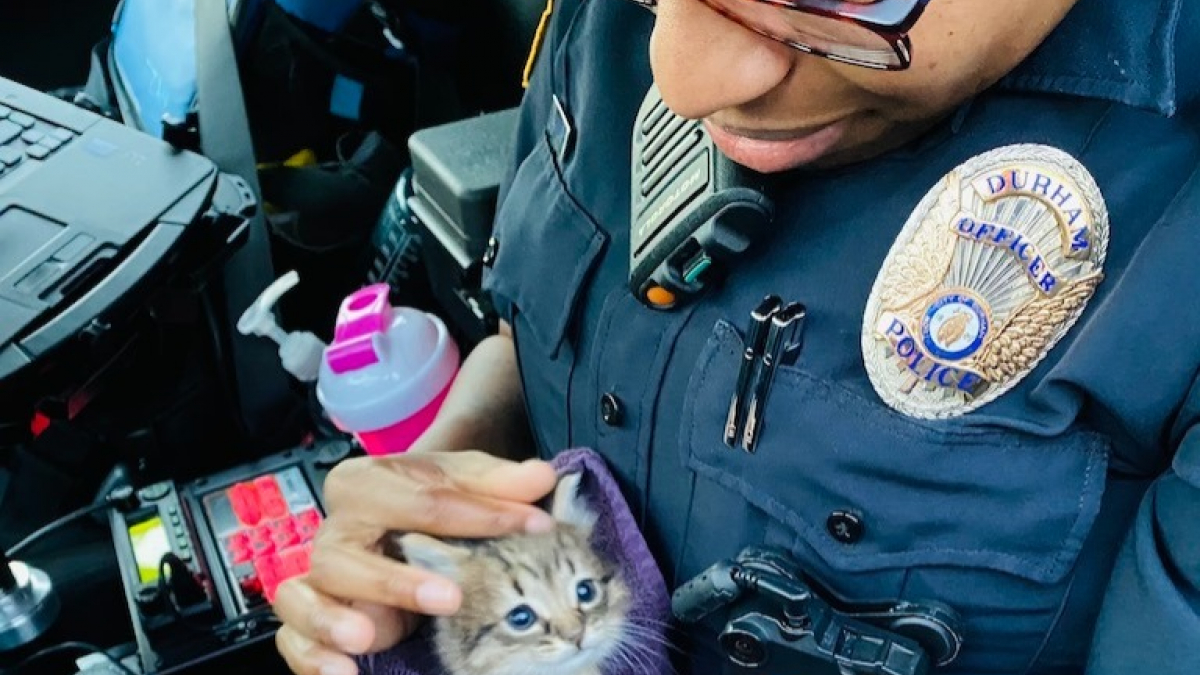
(773, 155)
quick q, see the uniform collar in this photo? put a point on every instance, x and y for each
(1122, 51)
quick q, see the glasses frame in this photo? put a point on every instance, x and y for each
(889, 19)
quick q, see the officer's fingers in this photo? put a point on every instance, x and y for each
(308, 657)
(418, 495)
(322, 619)
(391, 625)
(451, 512)
(358, 575)
(489, 476)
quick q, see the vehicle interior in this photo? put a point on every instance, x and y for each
(161, 457)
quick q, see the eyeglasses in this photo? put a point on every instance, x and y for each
(873, 35)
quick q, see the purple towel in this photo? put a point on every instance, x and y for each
(616, 536)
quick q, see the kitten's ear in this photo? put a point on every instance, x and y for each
(425, 552)
(570, 506)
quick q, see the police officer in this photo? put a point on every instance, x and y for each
(992, 216)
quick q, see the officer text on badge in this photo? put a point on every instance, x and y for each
(989, 273)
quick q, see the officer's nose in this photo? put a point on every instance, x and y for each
(703, 62)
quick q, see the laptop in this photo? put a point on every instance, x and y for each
(92, 215)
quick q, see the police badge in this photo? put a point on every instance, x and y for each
(992, 269)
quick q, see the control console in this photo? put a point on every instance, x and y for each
(201, 561)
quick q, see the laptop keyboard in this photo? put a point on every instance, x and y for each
(24, 138)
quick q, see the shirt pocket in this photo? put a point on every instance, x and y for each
(546, 248)
(989, 521)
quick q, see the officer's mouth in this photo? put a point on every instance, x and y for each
(772, 151)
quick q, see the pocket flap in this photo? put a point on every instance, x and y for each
(940, 493)
(546, 247)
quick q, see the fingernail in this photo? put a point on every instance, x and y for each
(343, 634)
(539, 522)
(338, 668)
(437, 596)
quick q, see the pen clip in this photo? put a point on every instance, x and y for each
(791, 336)
(783, 344)
(756, 336)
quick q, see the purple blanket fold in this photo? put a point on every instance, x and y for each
(617, 536)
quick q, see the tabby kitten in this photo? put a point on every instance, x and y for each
(533, 604)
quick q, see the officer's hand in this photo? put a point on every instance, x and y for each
(355, 600)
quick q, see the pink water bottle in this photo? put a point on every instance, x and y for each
(387, 372)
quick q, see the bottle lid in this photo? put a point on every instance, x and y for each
(385, 363)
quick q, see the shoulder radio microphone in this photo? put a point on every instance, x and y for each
(692, 209)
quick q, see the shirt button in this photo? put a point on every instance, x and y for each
(489, 254)
(610, 410)
(845, 527)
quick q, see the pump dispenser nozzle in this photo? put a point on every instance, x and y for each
(300, 351)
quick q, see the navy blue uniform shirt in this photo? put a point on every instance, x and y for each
(1062, 520)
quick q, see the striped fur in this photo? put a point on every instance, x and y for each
(540, 573)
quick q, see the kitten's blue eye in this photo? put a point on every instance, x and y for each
(521, 618)
(585, 591)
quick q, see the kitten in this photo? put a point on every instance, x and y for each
(542, 604)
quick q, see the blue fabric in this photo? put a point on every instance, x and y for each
(1071, 497)
(1151, 616)
(1187, 55)
(328, 15)
(1120, 51)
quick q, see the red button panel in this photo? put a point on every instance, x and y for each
(244, 499)
(271, 543)
(307, 522)
(238, 547)
(271, 498)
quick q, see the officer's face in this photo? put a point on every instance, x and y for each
(771, 107)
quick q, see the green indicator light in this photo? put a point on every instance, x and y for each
(697, 269)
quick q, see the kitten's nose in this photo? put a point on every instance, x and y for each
(574, 634)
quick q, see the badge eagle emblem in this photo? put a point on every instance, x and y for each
(993, 268)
